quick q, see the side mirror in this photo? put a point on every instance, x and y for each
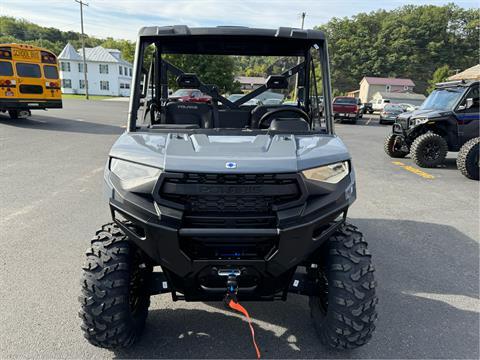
(469, 103)
(277, 82)
(188, 81)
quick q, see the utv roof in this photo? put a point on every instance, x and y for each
(456, 83)
(232, 40)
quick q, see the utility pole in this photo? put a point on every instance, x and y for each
(303, 14)
(83, 47)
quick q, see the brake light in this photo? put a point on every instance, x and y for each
(48, 58)
(7, 82)
(52, 84)
(5, 53)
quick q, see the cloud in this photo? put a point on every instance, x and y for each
(122, 18)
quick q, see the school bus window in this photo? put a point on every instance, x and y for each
(28, 70)
(6, 68)
(50, 71)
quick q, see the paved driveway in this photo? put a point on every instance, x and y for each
(423, 233)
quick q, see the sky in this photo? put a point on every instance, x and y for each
(121, 19)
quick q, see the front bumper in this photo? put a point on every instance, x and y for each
(191, 254)
(30, 104)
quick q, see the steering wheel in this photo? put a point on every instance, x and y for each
(272, 113)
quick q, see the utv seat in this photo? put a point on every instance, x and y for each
(261, 110)
(181, 113)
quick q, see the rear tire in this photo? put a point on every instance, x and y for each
(429, 150)
(390, 146)
(115, 290)
(13, 114)
(344, 314)
(467, 160)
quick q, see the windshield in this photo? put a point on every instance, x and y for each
(235, 97)
(345, 101)
(182, 92)
(442, 99)
(220, 85)
(393, 108)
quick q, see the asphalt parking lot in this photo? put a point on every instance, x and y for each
(422, 227)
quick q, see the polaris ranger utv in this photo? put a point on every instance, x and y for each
(448, 119)
(232, 201)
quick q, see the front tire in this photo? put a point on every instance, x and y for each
(392, 146)
(344, 313)
(115, 290)
(467, 159)
(429, 150)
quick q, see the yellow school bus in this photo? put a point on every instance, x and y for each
(28, 79)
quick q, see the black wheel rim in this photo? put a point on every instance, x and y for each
(431, 152)
(323, 287)
(137, 287)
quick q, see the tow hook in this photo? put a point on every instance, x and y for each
(231, 301)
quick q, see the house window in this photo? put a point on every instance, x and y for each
(103, 68)
(122, 85)
(125, 70)
(80, 67)
(81, 84)
(127, 86)
(120, 70)
(104, 85)
(67, 83)
(388, 88)
(130, 71)
(65, 66)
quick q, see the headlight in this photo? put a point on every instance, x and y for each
(332, 173)
(419, 121)
(135, 177)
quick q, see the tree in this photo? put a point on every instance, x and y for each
(440, 75)
(410, 42)
(218, 70)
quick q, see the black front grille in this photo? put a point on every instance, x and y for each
(203, 249)
(230, 193)
(229, 200)
(31, 89)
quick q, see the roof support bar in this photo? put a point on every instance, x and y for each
(263, 88)
(327, 90)
(136, 88)
(209, 90)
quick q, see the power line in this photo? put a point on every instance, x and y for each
(83, 47)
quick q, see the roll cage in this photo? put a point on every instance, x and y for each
(227, 41)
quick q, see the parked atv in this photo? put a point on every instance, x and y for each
(447, 119)
(467, 159)
(245, 203)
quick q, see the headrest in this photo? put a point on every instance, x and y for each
(289, 124)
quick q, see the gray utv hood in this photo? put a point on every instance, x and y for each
(226, 154)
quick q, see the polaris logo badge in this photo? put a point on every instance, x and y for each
(231, 165)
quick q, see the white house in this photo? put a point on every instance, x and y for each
(370, 85)
(107, 72)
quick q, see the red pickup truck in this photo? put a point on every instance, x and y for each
(190, 95)
(346, 108)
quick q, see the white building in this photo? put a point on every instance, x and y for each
(107, 73)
